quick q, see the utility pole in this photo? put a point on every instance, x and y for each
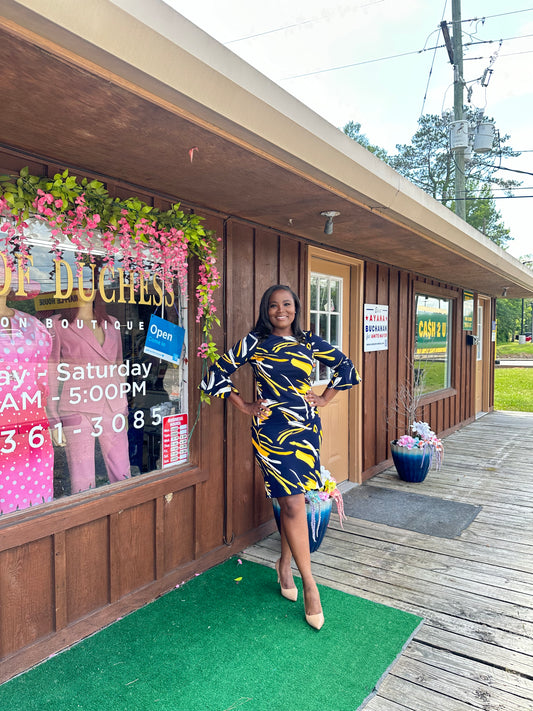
(458, 87)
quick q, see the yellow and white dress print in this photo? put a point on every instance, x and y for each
(286, 440)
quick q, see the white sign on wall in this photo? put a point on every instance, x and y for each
(376, 327)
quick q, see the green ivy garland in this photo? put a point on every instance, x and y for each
(84, 212)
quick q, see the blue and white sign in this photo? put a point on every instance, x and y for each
(164, 339)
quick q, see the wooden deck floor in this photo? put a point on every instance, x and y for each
(475, 592)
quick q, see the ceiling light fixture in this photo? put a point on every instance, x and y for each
(329, 215)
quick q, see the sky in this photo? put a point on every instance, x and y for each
(374, 62)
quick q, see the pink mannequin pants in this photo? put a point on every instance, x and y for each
(81, 431)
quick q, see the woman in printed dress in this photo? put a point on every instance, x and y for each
(286, 427)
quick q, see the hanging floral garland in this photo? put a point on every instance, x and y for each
(138, 234)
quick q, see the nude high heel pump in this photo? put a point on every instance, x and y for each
(315, 621)
(290, 593)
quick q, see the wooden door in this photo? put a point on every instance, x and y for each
(329, 310)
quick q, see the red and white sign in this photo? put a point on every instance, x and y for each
(174, 441)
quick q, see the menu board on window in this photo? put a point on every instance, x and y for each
(174, 440)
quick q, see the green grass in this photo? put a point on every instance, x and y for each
(514, 350)
(433, 375)
(513, 389)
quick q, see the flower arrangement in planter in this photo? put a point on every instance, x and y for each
(318, 503)
(414, 454)
(84, 215)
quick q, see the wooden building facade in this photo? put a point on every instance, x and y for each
(86, 99)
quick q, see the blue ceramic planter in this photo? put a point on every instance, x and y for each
(411, 464)
(321, 520)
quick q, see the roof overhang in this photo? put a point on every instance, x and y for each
(126, 88)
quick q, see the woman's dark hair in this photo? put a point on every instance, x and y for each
(263, 327)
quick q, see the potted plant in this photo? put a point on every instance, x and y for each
(413, 454)
(318, 504)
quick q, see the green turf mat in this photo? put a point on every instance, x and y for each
(224, 640)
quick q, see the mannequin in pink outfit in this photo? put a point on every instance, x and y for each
(26, 452)
(91, 404)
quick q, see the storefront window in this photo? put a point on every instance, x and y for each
(91, 390)
(432, 343)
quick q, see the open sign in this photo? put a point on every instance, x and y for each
(164, 339)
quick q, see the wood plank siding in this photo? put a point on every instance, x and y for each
(384, 371)
(72, 566)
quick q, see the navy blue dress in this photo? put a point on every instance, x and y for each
(287, 439)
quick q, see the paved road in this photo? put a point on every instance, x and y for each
(514, 363)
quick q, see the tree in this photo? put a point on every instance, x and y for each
(482, 214)
(509, 318)
(429, 163)
(353, 130)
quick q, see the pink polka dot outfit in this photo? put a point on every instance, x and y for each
(26, 452)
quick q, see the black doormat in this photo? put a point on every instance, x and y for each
(413, 512)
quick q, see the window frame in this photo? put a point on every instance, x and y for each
(422, 289)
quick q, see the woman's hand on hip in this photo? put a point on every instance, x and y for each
(256, 408)
(316, 400)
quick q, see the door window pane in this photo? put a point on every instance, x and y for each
(326, 316)
(479, 349)
(334, 325)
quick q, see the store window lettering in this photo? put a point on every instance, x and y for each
(433, 344)
(82, 403)
(431, 329)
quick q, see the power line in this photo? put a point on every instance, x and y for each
(358, 64)
(493, 188)
(270, 32)
(501, 14)
(515, 54)
(396, 56)
(376, 2)
(502, 39)
(496, 197)
(511, 170)
(296, 24)
(432, 62)
(502, 189)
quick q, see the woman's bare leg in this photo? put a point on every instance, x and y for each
(285, 571)
(294, 528)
